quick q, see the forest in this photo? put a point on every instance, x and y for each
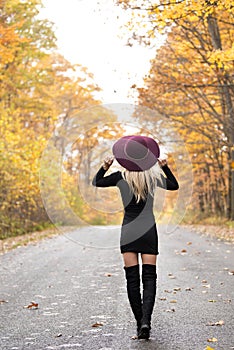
(190, 86)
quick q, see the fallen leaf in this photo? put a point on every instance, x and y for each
(170, 310)
(189, 243)
(204, 281)
(209, 348)
(134, 337)
(173, 301)
(183, 251)
(32, 306)
(97, 324)
(3, 301)
(219, 323)
(212, 340)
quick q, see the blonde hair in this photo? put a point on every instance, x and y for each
(141, 183)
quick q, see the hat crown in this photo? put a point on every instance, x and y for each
(136, 148)
(135, 152)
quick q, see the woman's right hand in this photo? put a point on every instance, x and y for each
(162, 162)
(107, 162)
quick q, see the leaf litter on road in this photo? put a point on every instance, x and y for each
(219, 323)
(212, 340)
(108, 274)
(3, 301)
(170, 310)
(32, 306)
(97, 324)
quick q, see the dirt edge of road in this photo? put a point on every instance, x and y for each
(29, 238)
(220, 232)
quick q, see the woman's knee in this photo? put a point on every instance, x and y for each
(130, 259)
(150, 259)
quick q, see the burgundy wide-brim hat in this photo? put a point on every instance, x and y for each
(136, 153)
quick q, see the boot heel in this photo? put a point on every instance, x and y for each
(144, 332)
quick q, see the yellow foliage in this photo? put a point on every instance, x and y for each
(36, 89)
(191, 85)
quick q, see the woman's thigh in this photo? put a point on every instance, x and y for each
(130, 259)
(149, 259)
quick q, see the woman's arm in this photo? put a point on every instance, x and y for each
(169, 182)
(100, 180)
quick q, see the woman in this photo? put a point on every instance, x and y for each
(137, 183)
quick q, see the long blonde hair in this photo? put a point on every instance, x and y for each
(141, 183)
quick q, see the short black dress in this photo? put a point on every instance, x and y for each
(138, 230)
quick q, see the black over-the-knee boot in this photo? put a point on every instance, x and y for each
(149, 280)
(134, 295)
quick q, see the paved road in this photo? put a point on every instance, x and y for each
(77, 286)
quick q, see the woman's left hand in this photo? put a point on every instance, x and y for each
(108, 162)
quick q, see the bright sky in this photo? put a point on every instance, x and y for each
(88, 33)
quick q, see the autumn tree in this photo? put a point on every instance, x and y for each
(37, 91)
(191, 84)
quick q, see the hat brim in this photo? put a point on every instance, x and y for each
(131, 164)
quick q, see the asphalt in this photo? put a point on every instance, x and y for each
(78, 281)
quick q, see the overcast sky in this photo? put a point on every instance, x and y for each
(89, 33)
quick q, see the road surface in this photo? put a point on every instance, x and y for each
(78, 281)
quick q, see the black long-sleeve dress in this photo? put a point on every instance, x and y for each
(138, 231)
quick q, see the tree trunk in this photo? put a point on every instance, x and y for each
(225, 90)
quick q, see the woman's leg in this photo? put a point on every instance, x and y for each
(149, 279)
(130, 259)
(133, 285)
(149, 259)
